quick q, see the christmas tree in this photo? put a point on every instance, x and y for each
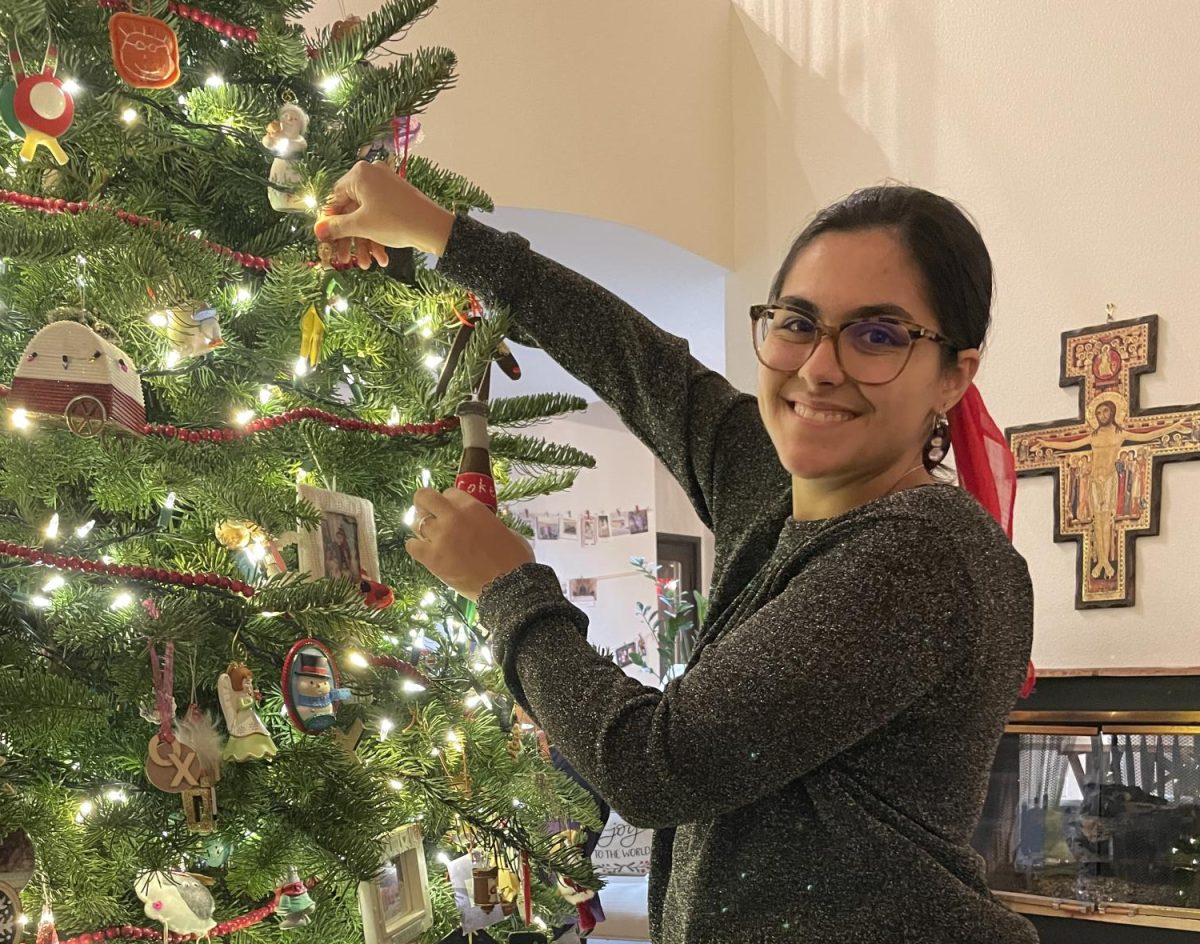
(227, 696)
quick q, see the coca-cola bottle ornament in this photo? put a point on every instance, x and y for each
(475, 469)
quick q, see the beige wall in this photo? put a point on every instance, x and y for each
(1071, 132)
(1068, 129)
(617, 110)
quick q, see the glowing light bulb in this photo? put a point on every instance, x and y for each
(57, 582)
(182, 99)
(330, 83)
(19, 418)
(396, 784)
(129, 116)
(429, 599)
(359, 660)
(264, 395)
(115, 796)
(214, 81)
(242, 417)
(86, 809)
(433, 361)
(72, 87)
(427, 332)
(283, 147)
(341, 303)
(301, 366)
(40, 602)
(426, 478)
(394, 417)
(52, 526)
(242, 295)
(169, 501)
(158, 319)
(385, 728)
(410, 516)
(85, 529)
(310, 201)
(413, 687)
(452, 737)
(172, 358)
(121, 601)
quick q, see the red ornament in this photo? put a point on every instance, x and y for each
(42, 105)
(145, 51)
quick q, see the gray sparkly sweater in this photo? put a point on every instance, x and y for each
(817, 773)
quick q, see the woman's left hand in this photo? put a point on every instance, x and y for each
(462, 542)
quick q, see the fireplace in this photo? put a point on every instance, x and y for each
(1093, 810)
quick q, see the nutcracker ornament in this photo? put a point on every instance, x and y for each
(248, 737)
(145, 51)
(40, 105)
(285, 137)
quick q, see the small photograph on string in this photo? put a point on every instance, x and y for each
(569, 529)
(547, 527)
(584, 591)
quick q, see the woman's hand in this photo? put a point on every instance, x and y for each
(462, 542)
(371, 208)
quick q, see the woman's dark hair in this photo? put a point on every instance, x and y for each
(942, 240)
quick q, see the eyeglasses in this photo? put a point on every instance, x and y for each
(873, 351)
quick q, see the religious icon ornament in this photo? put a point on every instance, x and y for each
(1107, 462)
(145, 51)
(38, 104)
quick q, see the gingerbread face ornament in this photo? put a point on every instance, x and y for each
(145, 51)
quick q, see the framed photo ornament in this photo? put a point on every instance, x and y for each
(395, 904)
(344, 545)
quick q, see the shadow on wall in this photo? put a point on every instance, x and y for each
(679, 291)
(814, 119)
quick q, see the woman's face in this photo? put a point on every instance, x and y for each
(823, 424)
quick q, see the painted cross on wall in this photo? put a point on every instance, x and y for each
(1107, 462)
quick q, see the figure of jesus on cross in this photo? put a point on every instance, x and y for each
(1108, 467)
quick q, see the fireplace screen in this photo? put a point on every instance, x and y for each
(1098, 819)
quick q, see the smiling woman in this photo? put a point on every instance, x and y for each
(818, 771)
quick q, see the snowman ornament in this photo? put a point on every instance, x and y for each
(285, 137)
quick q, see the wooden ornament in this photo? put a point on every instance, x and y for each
(173, 767)
(200, 807)
(69, 371)
(145, 51)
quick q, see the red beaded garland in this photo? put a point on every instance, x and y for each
(294, 416)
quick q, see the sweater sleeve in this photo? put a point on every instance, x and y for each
(674, 404)
(867, 627)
